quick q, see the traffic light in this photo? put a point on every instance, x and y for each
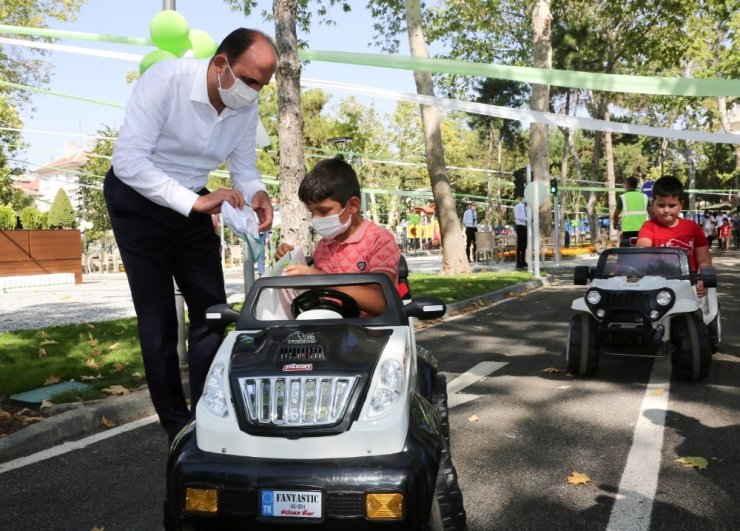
(554, 186)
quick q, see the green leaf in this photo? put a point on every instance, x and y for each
(693, 462)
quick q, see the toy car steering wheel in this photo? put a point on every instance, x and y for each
(627, 271)
(325, 299)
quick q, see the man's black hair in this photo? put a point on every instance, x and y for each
(631, 182)
(239, 41)
(329, 179)
(668, 186)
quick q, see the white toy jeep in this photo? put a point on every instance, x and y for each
(316, 416)
(642, 302)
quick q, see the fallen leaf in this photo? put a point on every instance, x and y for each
(87, 377)
(96, 528)
(116, 390)
(658, 392)
(136, 374)
(93, 342)
(107, 423)
(90, 325)
(46, 403)
(52, 379)
(43, 334)
(118, 366)
(92, 364)
(114, 346)
(693, 462)
(473, 418)
(42, 353)
(551, 370)
(564, 387)
(119, 332)
(578, 478)
(31, 420)
(570, 375)
(97, 351)
(48, 342)
(4, 415)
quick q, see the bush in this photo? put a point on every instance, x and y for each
(61, 213)
(8, 220)
(32, 218)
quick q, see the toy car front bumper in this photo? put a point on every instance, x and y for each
(343, 485)
(642, 339)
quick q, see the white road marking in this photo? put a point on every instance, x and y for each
(74, 445)
(477, 373)
(633, 506)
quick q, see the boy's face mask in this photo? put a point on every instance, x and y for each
(330, 226)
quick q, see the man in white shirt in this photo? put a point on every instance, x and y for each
(184, 118)
(520, 220)
(471, 227)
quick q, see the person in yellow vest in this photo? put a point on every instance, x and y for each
(631, 211)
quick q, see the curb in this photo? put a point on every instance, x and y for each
(87, 418)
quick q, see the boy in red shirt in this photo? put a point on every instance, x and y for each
(348, 243)
(725, 231)
(667, 229)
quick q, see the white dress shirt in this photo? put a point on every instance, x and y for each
(469, 218)
(172, 137)
(520, 214)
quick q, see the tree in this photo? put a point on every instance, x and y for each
(61, 214)
(23, 67)
(90, 177)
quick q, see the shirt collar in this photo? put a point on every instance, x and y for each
(199, 91)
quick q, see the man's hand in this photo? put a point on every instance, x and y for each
(262, 206)
(282, 250)
(211, 203)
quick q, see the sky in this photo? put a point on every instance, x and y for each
(104, 78)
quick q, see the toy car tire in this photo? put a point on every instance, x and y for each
(447, 512)
(439, 401)
(692, 356)
(582, 354)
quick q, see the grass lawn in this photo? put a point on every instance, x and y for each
(106, 354)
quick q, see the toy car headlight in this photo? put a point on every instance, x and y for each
(214, 394)
(390, 385)
(664, 298)
(593, 297)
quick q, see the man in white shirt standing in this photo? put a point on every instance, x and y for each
(184, 118)
(471, 227)
(520, 220)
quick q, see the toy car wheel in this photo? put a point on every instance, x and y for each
(448, 512)
(439, 401)
(582, 354)
(692, 356)
(715, 330)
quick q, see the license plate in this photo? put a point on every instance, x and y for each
(290, 503)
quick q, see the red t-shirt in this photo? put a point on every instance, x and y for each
(370, 249)
(725, 230)
(686, 235)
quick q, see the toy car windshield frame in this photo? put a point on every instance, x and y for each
(667, 262)
(393, 315)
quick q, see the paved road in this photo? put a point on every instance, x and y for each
(520, 433)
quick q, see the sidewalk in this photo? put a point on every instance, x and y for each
(103, 297)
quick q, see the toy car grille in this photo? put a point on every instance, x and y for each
(296, 401)
(301, 352)
(628, 299)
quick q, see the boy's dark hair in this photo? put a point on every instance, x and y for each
(668, 186)
(329, 179)
(239, 41)
(631, 182)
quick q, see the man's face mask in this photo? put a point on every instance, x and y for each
(330, 227)
(239, 95)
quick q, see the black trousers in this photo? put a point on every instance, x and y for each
(470, 241)
(521, 245)
(158, 244)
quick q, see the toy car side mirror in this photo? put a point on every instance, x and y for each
(221, 314)
(708, 275)
(425, 308)
(582, 275)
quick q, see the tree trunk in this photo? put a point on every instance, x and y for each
(688, 153)
(724, 119)
(294, 225)
(610, 179)
(598, 108)
(539, 154)
(454, 261)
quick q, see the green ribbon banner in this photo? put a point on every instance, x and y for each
(544, 76)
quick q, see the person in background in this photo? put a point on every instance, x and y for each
(471, 227)
(725, 233)
(349, 244)
(520, 220)
(709, 226)
(668, 229)
(185, 117)
(631, 212)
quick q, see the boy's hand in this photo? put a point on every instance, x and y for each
(701, 291)
(282, 250)
(300, 269)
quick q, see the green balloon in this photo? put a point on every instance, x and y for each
(202, 43)
(153, 57)
(169, 30)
